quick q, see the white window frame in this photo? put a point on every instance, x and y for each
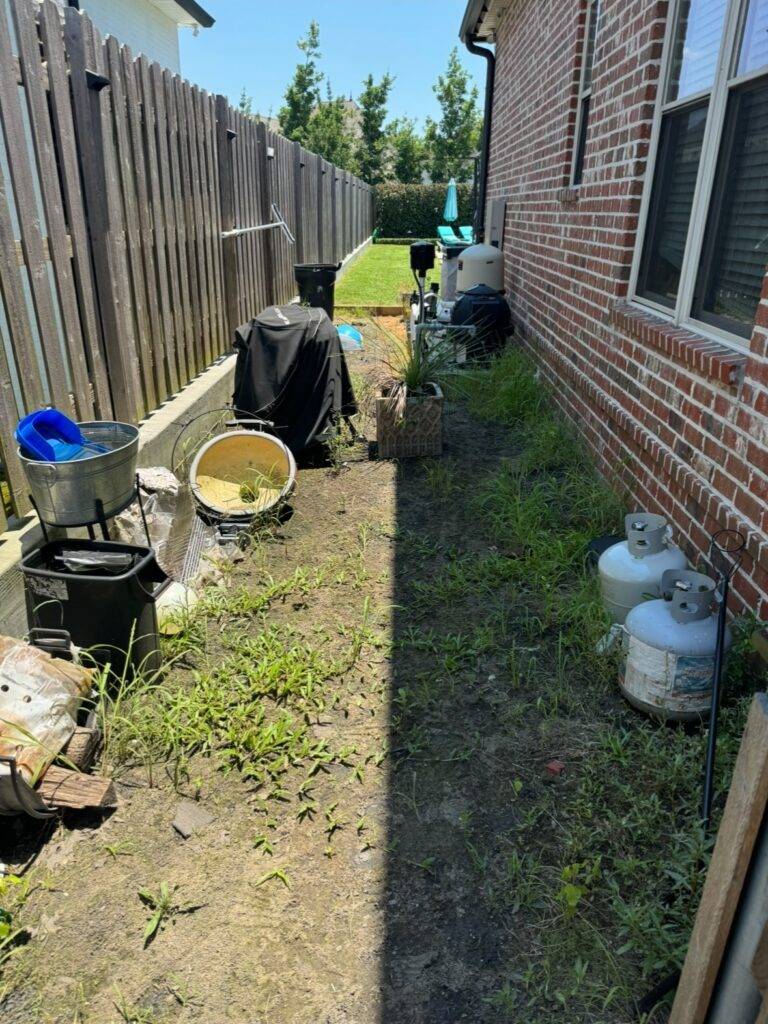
(584, 93)
(733, 25)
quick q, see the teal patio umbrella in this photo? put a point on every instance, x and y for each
(451, 209)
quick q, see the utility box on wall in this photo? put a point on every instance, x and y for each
(494, 229)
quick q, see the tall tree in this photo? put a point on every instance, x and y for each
(454, 139)
(405, 152)
(373, 113)
(245, 106)
(327, 133)
(303, 94)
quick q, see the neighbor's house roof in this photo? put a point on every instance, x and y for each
(184, 12)
(481, 18)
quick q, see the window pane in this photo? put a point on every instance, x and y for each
(677, 166)
(697, 44)
(753, 52)
(589, 56)
(735, 250)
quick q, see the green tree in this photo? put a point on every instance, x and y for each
(454, 139)
(303, 94)
(373, 113)
(245, 106)
(327, 133)
(405, 151)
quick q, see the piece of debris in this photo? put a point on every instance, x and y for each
(554, 768)
(190, 818)
(68, 790)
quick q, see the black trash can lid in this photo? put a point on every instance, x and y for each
(316, 268)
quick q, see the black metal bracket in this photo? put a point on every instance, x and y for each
(96, 81)
(231, 134)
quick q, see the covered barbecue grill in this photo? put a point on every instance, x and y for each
(291, 372)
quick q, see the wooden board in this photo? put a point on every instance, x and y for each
(70, 790)
(743, 815)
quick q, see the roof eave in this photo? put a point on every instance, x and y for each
(470, 25)
(200, 16)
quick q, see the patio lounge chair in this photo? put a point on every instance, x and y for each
(448, 236)
(467, 233)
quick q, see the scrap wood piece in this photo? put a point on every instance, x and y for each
(69, 790)
(82, 747)
(736, 837)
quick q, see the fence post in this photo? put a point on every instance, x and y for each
(320, 232)
(298, 201)
(265, 208)
(97, 158)
(225, 139)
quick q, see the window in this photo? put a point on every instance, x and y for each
(585, 90)
(704, 221)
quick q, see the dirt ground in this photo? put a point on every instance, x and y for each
(390, 905)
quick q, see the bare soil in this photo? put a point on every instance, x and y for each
(395, 916)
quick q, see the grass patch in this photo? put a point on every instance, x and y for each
(377, 277)
(607, 869)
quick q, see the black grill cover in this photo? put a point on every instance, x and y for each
(291, 370)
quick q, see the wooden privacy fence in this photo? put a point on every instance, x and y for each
(141, 221)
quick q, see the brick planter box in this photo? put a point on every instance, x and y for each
(413, 432)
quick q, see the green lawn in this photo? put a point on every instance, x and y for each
(377, 277)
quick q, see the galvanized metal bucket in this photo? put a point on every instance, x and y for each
(68, 493)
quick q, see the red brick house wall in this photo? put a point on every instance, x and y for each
(679, 420)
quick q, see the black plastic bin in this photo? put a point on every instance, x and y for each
(317, 282)
(107, 610)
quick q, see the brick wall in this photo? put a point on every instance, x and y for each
(679, 421)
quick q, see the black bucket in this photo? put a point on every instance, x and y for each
(317, 282)
(103, 594)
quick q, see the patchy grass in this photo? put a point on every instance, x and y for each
(367, 706)
(377, 277)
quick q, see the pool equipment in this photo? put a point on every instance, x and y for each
(669, 649)
(631, 571)
(422, 258)
(480, 264)
(487, 311)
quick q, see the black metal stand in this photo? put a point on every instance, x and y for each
(100, 519)
(725, 554)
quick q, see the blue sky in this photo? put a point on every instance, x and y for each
(253, 44)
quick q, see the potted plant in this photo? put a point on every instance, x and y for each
(409, 402)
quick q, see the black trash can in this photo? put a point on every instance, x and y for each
(103, 594)
(316, 283)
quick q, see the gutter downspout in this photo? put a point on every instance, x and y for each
(481, 51)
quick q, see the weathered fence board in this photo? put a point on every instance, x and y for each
(128, 203)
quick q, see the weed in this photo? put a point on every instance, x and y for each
(276, 873)
(163, 908)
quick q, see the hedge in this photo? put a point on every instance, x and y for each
(415, 211)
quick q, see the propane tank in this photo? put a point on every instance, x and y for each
(631, 570)
(669, 649)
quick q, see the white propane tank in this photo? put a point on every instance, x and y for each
(480, 264)
(631, 570)
(669, 649)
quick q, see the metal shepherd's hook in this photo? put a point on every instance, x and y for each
(726, 551)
